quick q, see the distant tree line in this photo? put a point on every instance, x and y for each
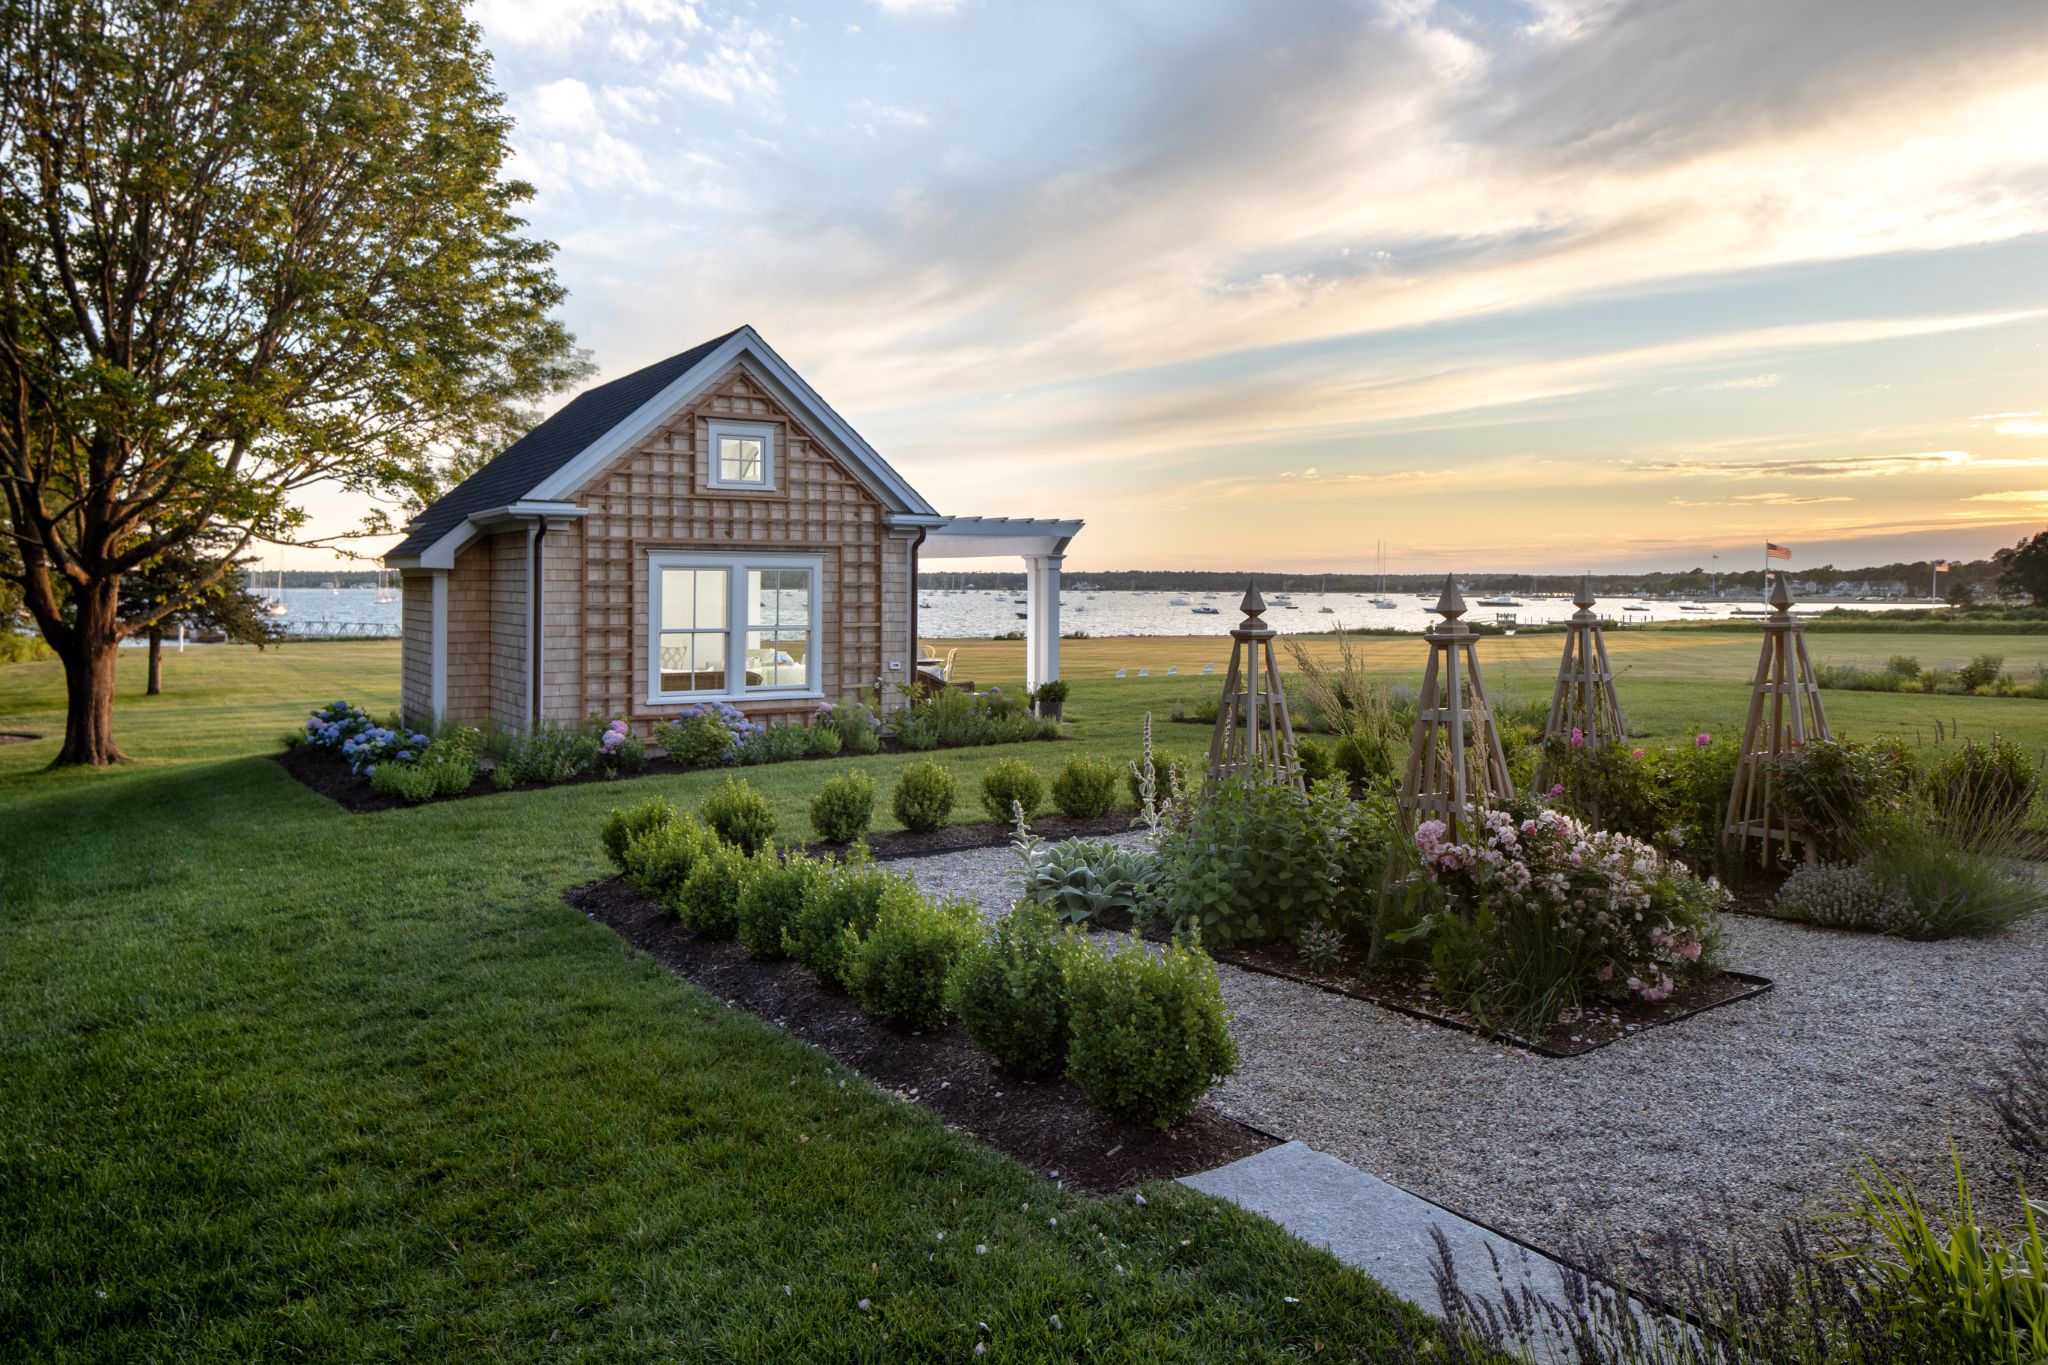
(1977, 578)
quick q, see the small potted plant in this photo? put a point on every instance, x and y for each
(1049, 702)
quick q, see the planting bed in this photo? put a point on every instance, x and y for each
(1047, 1125)
(331, 778)
(1596, 1025)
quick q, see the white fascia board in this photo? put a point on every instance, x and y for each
(441, 554)
(776, 375)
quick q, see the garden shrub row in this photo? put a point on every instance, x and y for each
(1983, 676)
(1143, 1033)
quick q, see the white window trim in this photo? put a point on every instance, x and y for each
(738, 619)
(764, 432)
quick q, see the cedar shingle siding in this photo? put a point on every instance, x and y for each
(657, 497)
(596, 597)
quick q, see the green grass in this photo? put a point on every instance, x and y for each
(287, 1083)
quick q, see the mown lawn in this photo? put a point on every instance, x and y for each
(283, 1082)
(287, 1083)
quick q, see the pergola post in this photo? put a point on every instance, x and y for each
(1042, 624)
(1455, 762)
(1253, 733)
(1785, 713)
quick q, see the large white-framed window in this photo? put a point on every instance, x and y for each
(742, 454)
(724, 627)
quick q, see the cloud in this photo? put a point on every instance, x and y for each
(1829, 467)
(2011, 495)
(919, 9)
(877, 116)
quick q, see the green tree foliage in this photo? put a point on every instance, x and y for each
(185, 586)
(2024, 569)
(246, 248)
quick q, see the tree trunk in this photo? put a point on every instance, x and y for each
(88, 657)
(156, 662)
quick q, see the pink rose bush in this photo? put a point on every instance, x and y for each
(1532, 916)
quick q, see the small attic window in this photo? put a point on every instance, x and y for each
(742, 455)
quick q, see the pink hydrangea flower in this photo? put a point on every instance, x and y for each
(1578, 738)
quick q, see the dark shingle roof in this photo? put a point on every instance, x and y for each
(522, 466)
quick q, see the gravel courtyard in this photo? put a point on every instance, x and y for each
(1740, 1116)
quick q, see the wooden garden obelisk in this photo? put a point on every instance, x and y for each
(1785, 712)
(1253, 734)
(1583, 699)
(1455, 764)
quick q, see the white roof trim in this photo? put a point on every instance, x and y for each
(861, 459)
(441, 554)
(994, 537)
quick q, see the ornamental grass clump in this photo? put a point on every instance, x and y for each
(1010, 991)
(772, 893)
(844, 807)
(2018, 1090)
(709, 901)
(1011, 784)
(924, 796)
(1148, 1032)
(739, 815)
(1085, 788)
(1527, 919)
(900, 969)
(1983, 788)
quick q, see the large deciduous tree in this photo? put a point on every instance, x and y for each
(187, 586)
(246, 246)
(2023, 570)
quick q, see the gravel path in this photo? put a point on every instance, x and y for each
(1740, 1117)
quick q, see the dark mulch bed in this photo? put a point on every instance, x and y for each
(6, 738)
(331, 778)
(1047, 1125)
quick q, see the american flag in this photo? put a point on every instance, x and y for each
(1776, 551)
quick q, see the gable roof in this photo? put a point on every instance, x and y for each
(540, 463)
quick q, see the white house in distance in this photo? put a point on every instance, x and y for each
(704, 529)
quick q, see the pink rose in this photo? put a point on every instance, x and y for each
(1578, 738)
(1557, 789)
(1701, 741)
(1606, 972)
(1638, 753)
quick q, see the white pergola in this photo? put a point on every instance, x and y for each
(1041, 543)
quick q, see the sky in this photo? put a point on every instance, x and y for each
(1503, 284)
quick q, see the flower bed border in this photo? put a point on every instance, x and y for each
(1046, 1125)
(1682, 1006)
(328, 776)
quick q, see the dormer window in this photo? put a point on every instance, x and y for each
(742, 455)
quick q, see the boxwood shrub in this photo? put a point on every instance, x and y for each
(771, 893)
(621, 826)
(924, 796)
(1010, 991)
(739, 815)
(900, 968)
(844, 806)
(660, 859)
(1008, 782)
(1085, 787)
(1148, 1032)
(849, 896)
(709, 901)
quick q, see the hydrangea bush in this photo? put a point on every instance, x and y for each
(1533, 914)
(347, 732)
